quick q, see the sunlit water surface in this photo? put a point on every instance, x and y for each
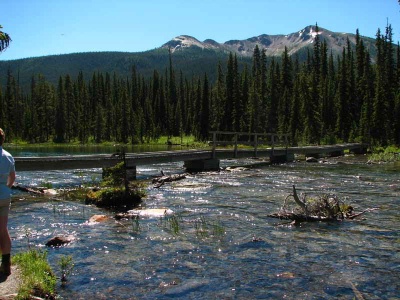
(225, 246)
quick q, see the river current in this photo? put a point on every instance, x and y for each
(220, 242)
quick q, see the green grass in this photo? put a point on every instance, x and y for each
(37, 277)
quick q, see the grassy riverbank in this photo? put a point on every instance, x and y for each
(37, 277)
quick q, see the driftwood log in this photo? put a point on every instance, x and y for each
(34, 190)
(159, 181)
(322, 208)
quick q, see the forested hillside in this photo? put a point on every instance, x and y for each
(324, 99)
(191, 61)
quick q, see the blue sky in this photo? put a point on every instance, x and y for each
(46, 27)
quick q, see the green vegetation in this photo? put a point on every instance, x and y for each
(37, 276)
(203, 227)
(5, 40)
(388, 154)
(66, 265)
(324, 99)
(115, 192)
(173, 223)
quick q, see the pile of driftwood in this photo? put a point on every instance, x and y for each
(327, 207)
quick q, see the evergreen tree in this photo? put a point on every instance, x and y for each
(173, 98)
(45, 109)
(295, 124)
(255, 108)
(31, 118)
(109, 110)
(237, 107)
(71, 110)
(230, 94)
(197, 100)
(205, 111)
(245, 95)
(367, 86)
(84, 109)
(286, 87)
(272, 103)
(60, 122)
(10, 103)
(125, 113)
(379, 113)
(342, 109)
(219, 101)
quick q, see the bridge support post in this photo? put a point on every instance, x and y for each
(202, 165)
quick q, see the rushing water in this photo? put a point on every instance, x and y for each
(223, 244)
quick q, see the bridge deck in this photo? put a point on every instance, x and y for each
(145, 158)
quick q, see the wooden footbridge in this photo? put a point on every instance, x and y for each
(272, 146)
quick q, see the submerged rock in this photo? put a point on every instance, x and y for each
(58, 241)
(97, 219)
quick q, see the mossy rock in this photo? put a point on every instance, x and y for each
(116, 198)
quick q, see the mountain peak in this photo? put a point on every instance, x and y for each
(185, 41)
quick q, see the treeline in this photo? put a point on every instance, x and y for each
(325, 99)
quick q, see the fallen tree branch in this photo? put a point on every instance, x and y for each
(298, 201)
(353, 216)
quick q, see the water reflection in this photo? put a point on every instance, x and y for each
(255, 257)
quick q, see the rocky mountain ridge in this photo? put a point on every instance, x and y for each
(274, 45)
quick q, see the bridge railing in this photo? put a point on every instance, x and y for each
(224, 138)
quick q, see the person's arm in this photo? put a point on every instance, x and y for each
(11, 179)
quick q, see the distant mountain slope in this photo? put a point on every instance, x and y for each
(190, 56)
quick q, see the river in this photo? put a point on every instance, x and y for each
(220, 242)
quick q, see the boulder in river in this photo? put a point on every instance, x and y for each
(58, 241)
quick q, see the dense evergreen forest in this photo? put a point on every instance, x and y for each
(325, 99)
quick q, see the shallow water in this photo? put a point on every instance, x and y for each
(225, 246)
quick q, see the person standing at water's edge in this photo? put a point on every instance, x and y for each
(7, 178)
